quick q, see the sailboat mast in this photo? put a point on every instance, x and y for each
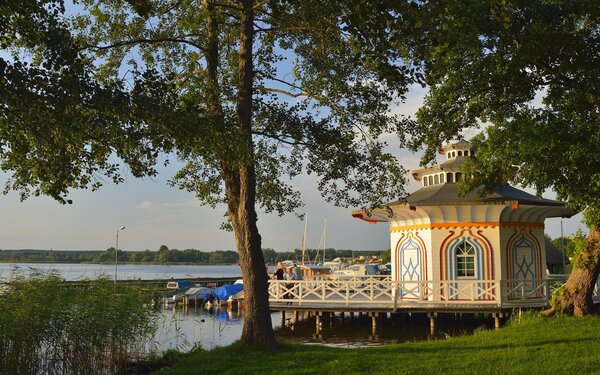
(324, 239)
(304, 237)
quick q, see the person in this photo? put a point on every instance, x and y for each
(278, 274)
(289, 275)
(298, 273)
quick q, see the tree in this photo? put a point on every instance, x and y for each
(269, 255)
(57, 124)
(485, 64)
(207, 80)
(571, 244)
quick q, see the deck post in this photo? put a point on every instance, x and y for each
(497, 322)
(432, 317)
(318, 326)
(374, 336)
(374, 323)
(282, 318)
(295, 317)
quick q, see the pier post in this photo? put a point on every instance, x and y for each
(432, 317)
(282, 318)
(374, 336)
(318, 326)
(374, 323)
(351, 315)
(295, 317)
(497, 322)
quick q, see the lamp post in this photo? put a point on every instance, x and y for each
(117, 252)
(562, 247)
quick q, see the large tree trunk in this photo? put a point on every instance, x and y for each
(241, 198)
(576, 297)
(239, 175)
(258, 329)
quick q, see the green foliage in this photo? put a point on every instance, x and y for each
(573, 244)
(387, 258)
(47, 327)
(555, 298)
(535, 345)
(485, 63)
(322, 116)
(58, 125)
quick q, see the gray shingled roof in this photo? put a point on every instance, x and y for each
(447, 194)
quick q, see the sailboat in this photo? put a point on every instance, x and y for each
(314, 269)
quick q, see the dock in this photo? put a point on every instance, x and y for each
(161, 284)
(377, 297)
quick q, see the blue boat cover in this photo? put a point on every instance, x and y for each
(226, 291)
(184, 284)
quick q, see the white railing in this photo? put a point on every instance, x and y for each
(382, 292)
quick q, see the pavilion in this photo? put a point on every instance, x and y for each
(473, 248)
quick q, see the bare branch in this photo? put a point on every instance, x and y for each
(133, 42)
(279, 138)
(279, 91)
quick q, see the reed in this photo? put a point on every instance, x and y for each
(48, 327)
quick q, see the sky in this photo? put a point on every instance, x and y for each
(156, 214)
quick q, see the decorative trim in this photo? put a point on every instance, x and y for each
(422, 254)
(466, 225)
(484, 257)
(512, 263)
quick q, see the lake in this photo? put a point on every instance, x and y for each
(183, 328)
(124, 272)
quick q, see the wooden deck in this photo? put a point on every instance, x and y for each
(381, 294)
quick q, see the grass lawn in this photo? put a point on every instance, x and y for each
(535, 346)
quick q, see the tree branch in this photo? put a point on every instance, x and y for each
(133, 42)
(279, 138)
(279, 91)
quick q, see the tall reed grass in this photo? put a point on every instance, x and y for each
(49, 327)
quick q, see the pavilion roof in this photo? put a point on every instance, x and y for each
(442, 194)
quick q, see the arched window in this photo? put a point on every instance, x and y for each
(459, 153)
(442, 178)
(458, 176)
(425, 181)
(465, 260)
(436, 179)
(449, 177)
(430, 180)
(466, 152)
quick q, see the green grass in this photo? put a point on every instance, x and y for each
(559, 345)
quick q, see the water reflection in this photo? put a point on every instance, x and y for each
(184, 328)
(358, 330)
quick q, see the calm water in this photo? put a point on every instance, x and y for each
(183, 328)
(125, 271)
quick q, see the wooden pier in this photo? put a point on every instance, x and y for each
(379, 297)
(161, 284)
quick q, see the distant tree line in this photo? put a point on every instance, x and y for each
(164, 255)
